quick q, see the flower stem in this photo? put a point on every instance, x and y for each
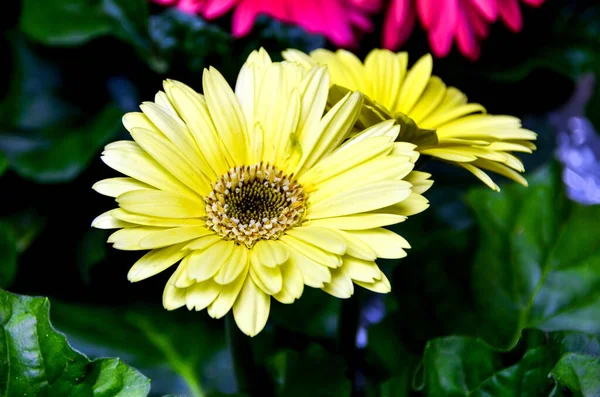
(193, 384)
(348, 329)
(250, 377)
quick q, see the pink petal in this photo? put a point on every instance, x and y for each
(510, 13)
(465, 37)
(429, 12)
(336, 23)
(534, 3)
(488, 8)
(442, 35)
(216, 8)
(360, 20)
(190, 6)
(243, 17)
(478, 21)
(398, 24)
(369, 6)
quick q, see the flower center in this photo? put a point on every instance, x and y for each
(255, 202)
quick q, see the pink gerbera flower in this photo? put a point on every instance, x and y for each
(338, 20)
(464, 21)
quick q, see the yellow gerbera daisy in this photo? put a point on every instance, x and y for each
(438, 119)
(258, 192)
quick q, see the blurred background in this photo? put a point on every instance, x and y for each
(72, 68)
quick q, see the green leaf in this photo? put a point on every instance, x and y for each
(152, 338)
(74, 22)
(538, 264)
(453, 366)
(63, 158)
(527, 378)
(36, 360)
(579, 373)
(575, 342)
(314, 372)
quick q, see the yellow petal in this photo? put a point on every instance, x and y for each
(420, 181)
(358, 221)
(415, 83)
(361, 270)
(384, 69)
(321, 237)
(313, 90)
(440, 118)
(138, 120)
(226, 114)
(161, 204)
(203, 265)
(278, 112)
(129, 238)
(385, 243)
(414, 204)
(162, 100)
(177, 133)
(173, 297)
(269, 279)
(107, 221)
(182, 280)
(502, 170)
(203, 242)
(130, 159)
(450, 154)
(382, 285)
(270, 253)
(194, 112)
(331, 131)
(365, 198)
(155, 262)
(233, 266)
(340, 285)
(172, 236)
(485, 178)
(313, 274)
(114, 187)
(144, 220)
(357, 248)
(200, 295)
(227, 296)
(376, 170)
(298, 56)
(385, 128)
(166, 154)
(251, 309)
(312, 252)
(341, 161)
(292, 283)
(432, 97)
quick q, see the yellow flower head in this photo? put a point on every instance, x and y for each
(447, 126)
(258, 191)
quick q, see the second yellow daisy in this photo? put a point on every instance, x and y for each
(437, 118)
